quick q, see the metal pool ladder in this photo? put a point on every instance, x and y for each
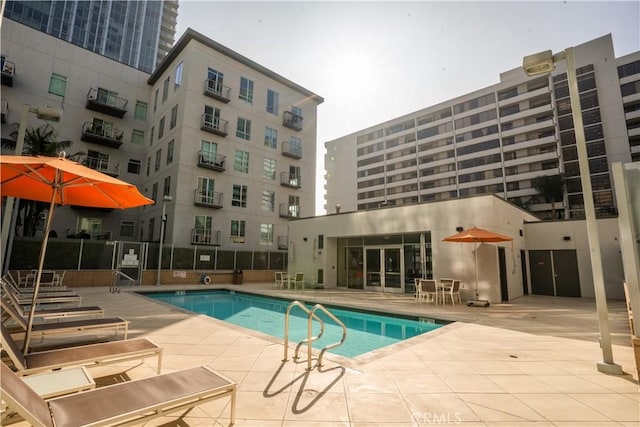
(311, 314)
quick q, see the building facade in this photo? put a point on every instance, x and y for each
(231, 142)
(497, 140)
(136, 33)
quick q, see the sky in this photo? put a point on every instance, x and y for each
(375, 61)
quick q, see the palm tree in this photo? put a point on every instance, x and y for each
(551, 188)
(41, 141)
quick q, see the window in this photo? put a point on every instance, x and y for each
(153, 131)
(137, 136)
(166, 189)
(297, 111)
(158, 157)
(134, 166)
(244, 129)
(154, 191)
(97, 160)
(208, 152)
(271, 138)
(203, 229)
(269, 168)
(241, 161)
(239, 197)
(214, 80)
(152, 225)
(165, 90)
(266, 234)
(237, 230)
(140, 112)
(273, 99)
(178, 76)
(170, 151)
(246, 90)
(296, 145)
(57, 84)
(174, 117)
(126, 229)
(294, 206)
(148, 165)
(161, 129)
(268, 200)
(155, 100)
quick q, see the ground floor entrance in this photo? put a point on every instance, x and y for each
(384, 269)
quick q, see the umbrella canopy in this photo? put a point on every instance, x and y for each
(60, 181)
(477, 235)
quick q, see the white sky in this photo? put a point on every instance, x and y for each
(374, 61)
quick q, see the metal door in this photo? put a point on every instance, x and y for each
(565, 269)
(384, 269)
(541, 273)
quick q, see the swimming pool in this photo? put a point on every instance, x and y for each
(366, 331)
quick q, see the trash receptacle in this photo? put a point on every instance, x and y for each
(237, 277)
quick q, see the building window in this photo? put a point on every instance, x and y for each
(140, 112)
(153, 131)
(239, 197)
(158, 157)
(214, 80)
(148, 165)
(57, 84)
(268, 200)
(273, 99)
(154, 192)
(170, 151)
(174, 117)
(134, 166)
(152, 225)
(209, 152)
(246, 90)
(297, 111)
(161, 129)
(126, 229)
(266, 234)
(137, 136)
(155, 100)
(166, 189)
(165, 90)
(271, 138)
(244, 129)
(237, 230)
(178, 77)
(269, 169)
(241, 161)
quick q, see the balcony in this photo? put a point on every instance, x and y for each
(217, 91)
(283, 243)
(5, 110)
(211, 161)
(200, 236)
(292, 121)
(289, 211)
(291, 150)
(105, 102)
(208, 199)
(8, 71)
(103, 135)
(215, 125)
(102, 165)
(290, 180)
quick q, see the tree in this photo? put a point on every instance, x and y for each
(551, 188)
(41, 141)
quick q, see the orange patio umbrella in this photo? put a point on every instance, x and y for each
(60, 181)
(477, 235)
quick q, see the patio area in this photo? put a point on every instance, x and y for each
(523, 363)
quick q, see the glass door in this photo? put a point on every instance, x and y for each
(373, 269)
(384, 269)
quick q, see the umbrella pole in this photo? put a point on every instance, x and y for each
(36, 288)
(476, 255)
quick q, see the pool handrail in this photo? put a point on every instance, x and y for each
(309, 338)
(328, 347)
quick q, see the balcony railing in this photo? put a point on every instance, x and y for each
(210, 199)
(100, 134)
(211, 161)
(213, 124)
(105, 102)
(283, 243)
(8, 71)
(290, 180)
(5, 110)
(291, 150)
(291, 120)
(217, 91)
(289, 211)
(200, 236)
(102, 165)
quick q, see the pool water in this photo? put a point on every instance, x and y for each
(366, 331)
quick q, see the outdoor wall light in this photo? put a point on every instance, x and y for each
(566, 238)
(459, 229)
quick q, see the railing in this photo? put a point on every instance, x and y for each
(212, 199)
(101, 165)
(115, 281)
(310, 339)
(106, 98)
(291, 120)
(290, 180)
(291, 150)
(211, 161)
(217, 90)
(214, 124)
(201, 236)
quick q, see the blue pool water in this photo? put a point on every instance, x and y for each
(366, 331)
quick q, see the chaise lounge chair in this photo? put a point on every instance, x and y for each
(27, 299)
(82, 355)
(56, 313)
(126, 403)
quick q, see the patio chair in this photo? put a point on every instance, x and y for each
(83, 355)
(56, 313)
(44, 290)
(279, 279)
(452, 292)
(298, 280)
(27, 299)
(59, 278)
(428, 291)
(133, 402)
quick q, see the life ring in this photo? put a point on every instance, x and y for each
(206, 279)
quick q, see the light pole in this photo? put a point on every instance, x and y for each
(542, 63)
(43, 113)
(163, 224)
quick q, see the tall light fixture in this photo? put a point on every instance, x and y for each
(43, 113)
(542, 63)
(163, 224)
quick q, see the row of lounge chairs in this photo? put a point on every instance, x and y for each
(128, 403)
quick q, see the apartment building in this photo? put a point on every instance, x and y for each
(230, 141)
(137, 33)
(497, 140)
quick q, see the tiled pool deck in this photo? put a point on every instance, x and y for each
(530, 362)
